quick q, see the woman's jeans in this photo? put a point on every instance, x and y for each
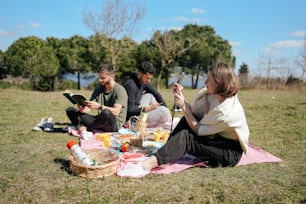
(218, 151)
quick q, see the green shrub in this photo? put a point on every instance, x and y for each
(5, 85)
(67, 84)
(25, 86)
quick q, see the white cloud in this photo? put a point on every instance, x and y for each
(34, 25)
(4, 33)
(235, 44)
(185, 19)
(198, 11)
(268, 50)
(299, 33)
(181, 18)
(288, 43)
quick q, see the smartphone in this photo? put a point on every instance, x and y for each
(180, 79)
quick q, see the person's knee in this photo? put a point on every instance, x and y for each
(165, 115)
(71, 109)
(107, 112)
(181, 134)
(148, 96)
(232, 159)
(72, 114)
(147, 99)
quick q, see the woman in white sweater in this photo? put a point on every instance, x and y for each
(214, 127)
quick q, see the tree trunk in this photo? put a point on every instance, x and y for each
(32, 83)
(79, 80)
(167, 79)
(160, 74)
(159, 79)
(197, 78)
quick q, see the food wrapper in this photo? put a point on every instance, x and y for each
(161, 136)
(105, 139)
(132, 139)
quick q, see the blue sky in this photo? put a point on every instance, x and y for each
(255, 28)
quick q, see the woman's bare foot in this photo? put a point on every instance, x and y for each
(149, 163)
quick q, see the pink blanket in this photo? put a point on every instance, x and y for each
(254, 155)
(257, 155)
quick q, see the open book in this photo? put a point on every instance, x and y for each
(75, 98)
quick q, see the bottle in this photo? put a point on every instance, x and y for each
(78, 153)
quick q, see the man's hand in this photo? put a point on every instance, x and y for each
(93, 105)
(152, 106)
(84, 109)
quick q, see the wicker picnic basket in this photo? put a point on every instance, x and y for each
(108, 161)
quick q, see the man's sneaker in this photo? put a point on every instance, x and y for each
(39, 126)
(48, 125)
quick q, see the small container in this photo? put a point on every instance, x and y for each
(156, 136)
(85, 135)
(78, 153)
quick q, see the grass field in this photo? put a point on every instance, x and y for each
(33, 165)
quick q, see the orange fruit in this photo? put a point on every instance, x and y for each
(124, 147)
(105, 138)
(106, 143)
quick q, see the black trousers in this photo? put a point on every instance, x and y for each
(217, 152)
(105, 121)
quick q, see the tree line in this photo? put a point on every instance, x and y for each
(44, 61)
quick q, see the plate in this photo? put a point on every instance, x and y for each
(152, 144)
(126, 131)
(151, 147)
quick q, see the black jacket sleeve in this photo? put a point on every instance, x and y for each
(134, 95)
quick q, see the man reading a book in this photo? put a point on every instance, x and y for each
(143, 97)
(109, 98)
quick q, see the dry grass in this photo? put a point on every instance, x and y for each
(34, 165)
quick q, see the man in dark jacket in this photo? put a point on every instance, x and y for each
(143, 97)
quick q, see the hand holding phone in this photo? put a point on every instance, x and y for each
(179, 81)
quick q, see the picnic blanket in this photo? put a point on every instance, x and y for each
(255, 155)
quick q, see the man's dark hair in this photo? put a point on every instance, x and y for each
(146, 67)
(108, 68)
